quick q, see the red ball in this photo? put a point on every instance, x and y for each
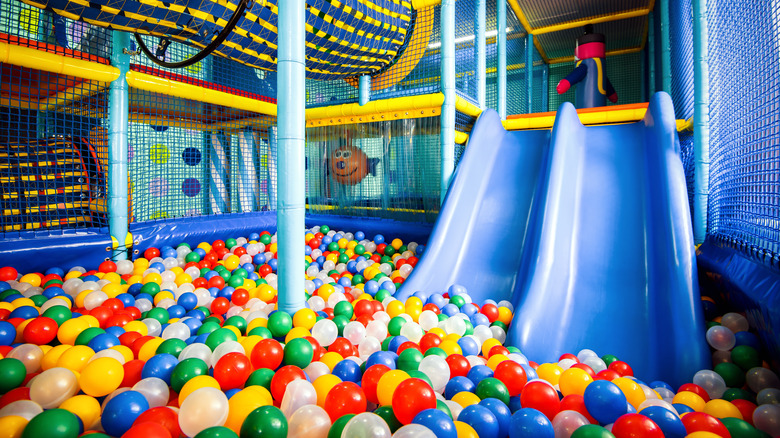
(343, 399)
(133, 371)
(40, 331)
(267, 353)
(586, 368)
(542, 397)
(409, 344)
(491, 311)
(147, 430)
(606, 375)
(512, 375)
(432, 307)
(380, 249)
(102, 314)
(636, 425)
(701, 422)
(429, 340)
(498, 349)
(218, 244)
(107, 266)
(370, 381)
(200, 282)
(264, 270)
(113, 304)
(411, 397)
(343, 347)
(459, 365)
(20, 393)
(621, 368)
(315, 345)
(164, 416)
(232, 370)
(746, 408)
(283, 377)
(119, 321)
(239, 251)
(8, 273)
(240, 297)
(151, 253)
(696, 389)
(220, 306)
(216, 281)
(576, 402)
(364, 307)
(568, 356)
(128, 338)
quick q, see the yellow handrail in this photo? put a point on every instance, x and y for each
(51, 62)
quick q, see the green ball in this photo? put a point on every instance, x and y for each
(12, 374)
(741, 428)
(59, 314)
(360, 249)
(442, 317)
(386, 343)
(458, 300)
(240, 272)
(343, 258)
(186, 370)
(493, 388)
(339, 425)
(216, 432)
(219, 336)
(333, 246)
(280, 323)
(264, 422)
(732, 394)
(504, 328)
(394, 326)
(230, 243)
(324, 229)
(265, 239)
(53, 423)
(225, 274)
(150, 288)
(387, 414)
(732, 374)
(356, 279)
(745, 357)
(344, 308)
(409, 360)
(171, 346)
(183, 245)
(237, 322)
(84, 337)
(435, 351)
(513, 349)
(236, 281)
(298, 352)
(159, 314)
(389, 251)
(204, 271)
(385, 259)
(213, 319)
(381, 294)
(440, 405)
(469, 328)
(592, 431)
(192, 257)
(260, 377)
(608, 358)
(711, 324)
(416, 374)
(341, 321)
(263, 332)
(7, 293)
(38, 300)
(208, 327)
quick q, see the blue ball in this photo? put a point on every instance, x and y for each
(327, 240)
(681, 408)
(93, 277)
(103, 341)
(348, 371)
(160, 366)
(386, 358)
(121, 411)
(56, 271)
(317, 283)
(306, 250)
(456, 289)
(378, 239)
(605, 401)
(478, 373)
(670, 424)
(196, 314)
(661, 384)
(749, 339)
(360, 236)
(469, 309)
(371, 287)
(438, 300)
(211, 274)
(156, 265)
(135, 289)
(126, 299)
(514, 403)
(438, 422)
(502, 413)
(423, 296)
(458, 384)
(530, 422)
(50, 292)
(4, 286)
(24, 312)
(530, 373)
(115, 331)
(336, 237)
(7, 333)
(176, 311)
(388, 286)
(345, 281)
(231, 392)
(479, 319)
(450, 310)
(469, 346)
(254, 236)
(481, 419)
(396, 342)
(259, 259)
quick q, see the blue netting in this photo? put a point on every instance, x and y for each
(686, 155)
(681, 36)
(744, 201)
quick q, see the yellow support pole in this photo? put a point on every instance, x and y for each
(613, 117)
(461, 137)
(54, 63)
(154, 84)
(376, 107)
(467, 107)
(591, 20)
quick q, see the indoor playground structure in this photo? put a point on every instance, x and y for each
(376, 218)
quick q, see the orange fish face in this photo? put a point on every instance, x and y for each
(348, 165)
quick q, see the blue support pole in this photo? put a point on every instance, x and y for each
(364, 89)
(651, 54)
(118, 116)
(273, 153)
(701, 120)
(529, 68)
(501, 47)
(448, 89)
(545, 90)
(481, 70)
(291, 177)
(666, 49)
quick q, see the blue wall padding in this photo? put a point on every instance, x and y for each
(35, 253)
(747, 285)
(390, 229)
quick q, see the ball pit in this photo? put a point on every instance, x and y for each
(188, 342)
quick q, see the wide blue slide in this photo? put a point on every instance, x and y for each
(586, 230)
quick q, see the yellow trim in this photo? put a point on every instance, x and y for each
(467, 107)
(378, 117)
(422, 4)
(591, 20)
(407, 103)
(599, 76)
(527, 26)
(547, 120)
(461, 137)
(154, 84)
(51, 62)
(685, 125)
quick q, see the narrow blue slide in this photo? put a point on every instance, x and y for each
(586, 231)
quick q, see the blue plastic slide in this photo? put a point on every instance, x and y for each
(588, 231)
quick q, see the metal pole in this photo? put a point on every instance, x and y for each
(701, 120)
(448, 89)
(118, 115)
(651, 53)
(364, 89)
(529, 68)
(666, 50)
(481, 71)
(545, 91)
(501, 47)
(291, 176)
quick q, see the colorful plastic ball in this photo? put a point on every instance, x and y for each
(347, 370)
(216, 432)
(542, 397)
(669, 422)
(493, 388)
(267, 353)
(12, 373)
(502, 413)
(53, 386)
(204, 408)
(605, 401)
(477, 373)
(345, 398)
(411, 397)
(481, 419)
(592, 431)
(164, 416)
(12, 426)
(160, 366)
(282, 378)
(528, 422)
(387, 385)
(370, 380)
(265, 421)
(438, 422)
(232, 370)
(53, 423)
(701, 422)
(298, 352)
(458, 384)
(40, 330)
(633, 425)
(101, 376)
(308, 421)
(121, 411)
(280, 323)
(85, 407)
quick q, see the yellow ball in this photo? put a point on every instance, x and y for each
(466, 398)
(690, 399)
(90, 320)
(632, 391)
(720, 408)
(51, 357)
(31, 279)
(343, 243)
(396, 244)
(413, 302)
(153, 277)
(387, 384)
(257, 322)
(304, 318)
(504, 315)
(574, 381)
(465, 430)
(295, 333)
(249, 343)
(75, 358)
(12, 426)
(494, 360)
(323, 384)
(266, 293)
(550, 372)
(242, 403)
(450, 347)
(232, 262)
(125, 351)
(137, 326)
(330, 359)
(488, 344)
(101, 376)
(438, 331)
(195, 383)
(72, 274)
(395, 308)
(325, 291)
(149, 348)
(415, 313)
(702, 434)
(19, 302)
(84, 407)
(162, 295)
(182, 279)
